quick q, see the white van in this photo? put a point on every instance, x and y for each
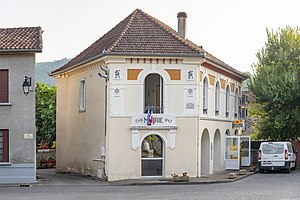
(276, 156)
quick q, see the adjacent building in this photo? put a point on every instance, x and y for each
(144, 101)
(18, 47)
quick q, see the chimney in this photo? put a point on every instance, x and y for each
(181, 16)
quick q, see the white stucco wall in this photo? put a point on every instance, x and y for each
(80, 135)
(124, 162)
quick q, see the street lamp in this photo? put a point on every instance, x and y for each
(26, 85)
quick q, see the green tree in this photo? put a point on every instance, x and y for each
(276, 85)
(45, 114)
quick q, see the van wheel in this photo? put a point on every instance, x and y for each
(261, 171)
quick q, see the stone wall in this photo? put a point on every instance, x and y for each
(45, 158)
(297, 147)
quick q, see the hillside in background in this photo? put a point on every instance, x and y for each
(44, 68)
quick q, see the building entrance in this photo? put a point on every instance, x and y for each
(237, 151)
(152, 156)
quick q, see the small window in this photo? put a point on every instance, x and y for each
(4, 86)
(236, 103)
(244, 113)
(217, 99)
(4, 143)
(82, 95)
(290, 147)
(227, 101)
(244, 99)
(205, 96)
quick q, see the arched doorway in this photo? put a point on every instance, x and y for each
(205, 152)
(152, 156)
(217, 151)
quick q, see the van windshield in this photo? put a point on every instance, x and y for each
(273, 148)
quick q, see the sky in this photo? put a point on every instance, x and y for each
(232, 30)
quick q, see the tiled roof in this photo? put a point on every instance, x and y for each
(140, 34)
(21, 39)
(137, 34)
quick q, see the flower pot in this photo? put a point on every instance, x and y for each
(181, 178)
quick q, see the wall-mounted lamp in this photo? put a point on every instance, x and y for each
(26, 85)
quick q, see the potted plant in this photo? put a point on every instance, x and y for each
(183, 178)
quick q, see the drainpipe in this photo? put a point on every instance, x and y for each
(198, 126)
(104, 75)
(197, 153)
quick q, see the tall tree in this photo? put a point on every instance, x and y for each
(276, 84)
(45, 114)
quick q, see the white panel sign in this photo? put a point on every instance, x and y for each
(190, 101)
(157, 120)
(28, 136)
(116, 101)
(190, 75)
(117, 74)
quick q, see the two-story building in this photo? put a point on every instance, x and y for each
(144, 101)
(18, 47)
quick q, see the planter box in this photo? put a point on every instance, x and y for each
(232, 176)
(181, 178)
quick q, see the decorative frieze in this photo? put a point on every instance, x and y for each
(154, 60)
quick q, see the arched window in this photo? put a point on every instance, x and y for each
(236, 103)
(217, 98)
(153, 94)
(205, 96)
(227, 101)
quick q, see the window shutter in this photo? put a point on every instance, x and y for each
(5, 145)
(4, 86)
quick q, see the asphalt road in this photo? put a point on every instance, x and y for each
(268, 186)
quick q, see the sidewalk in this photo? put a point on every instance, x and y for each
(220, 177)
(48, 177)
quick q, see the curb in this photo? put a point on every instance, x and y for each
(169, 182)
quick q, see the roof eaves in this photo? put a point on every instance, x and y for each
(58, 71)
(201, 54)
(230, 70)
(20, 50)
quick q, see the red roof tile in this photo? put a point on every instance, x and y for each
(137, 34)
(21, 39)
(140, 34)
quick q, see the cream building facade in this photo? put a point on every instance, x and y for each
(161, 105)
